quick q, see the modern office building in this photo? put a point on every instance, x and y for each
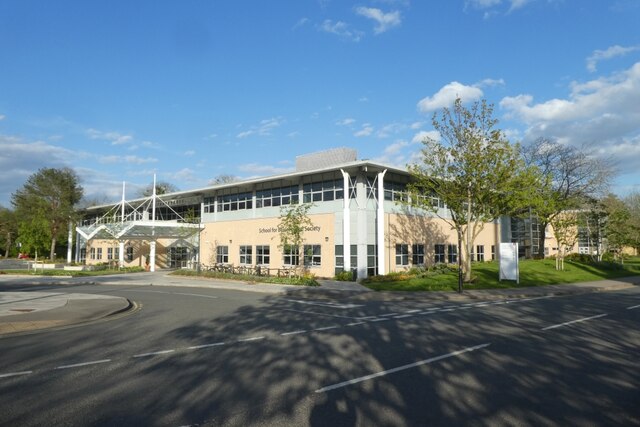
(357, 221)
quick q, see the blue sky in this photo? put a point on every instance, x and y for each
(190, 90)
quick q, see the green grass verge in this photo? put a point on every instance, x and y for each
(302, 281)
(485, 275)
(67, 273)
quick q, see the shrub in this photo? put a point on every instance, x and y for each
(344, 276)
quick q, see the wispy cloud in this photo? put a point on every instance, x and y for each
(258, 169)
(189, 153)
(346, 122)
(366, 130)
(447, 95)
(609, 53)
(2, 117)
(115, 138)
(264, 128)
(384, 21)
(341, 29)
(126, 159)
(301, 22)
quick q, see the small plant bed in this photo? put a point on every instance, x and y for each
(67, 273)
(485, 275)
(305, 280)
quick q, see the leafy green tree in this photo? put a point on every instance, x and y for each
(45, 205)
(294, 219)
(8, 230)
(632, 202)
(618, 230)
(474, 170)
(162, 187)
(571, 176)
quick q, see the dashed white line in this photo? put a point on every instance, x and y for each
(326, 328)
(15, 374)
(403, 316)
(412, 311)
(77, 365)
(302, 331)
(194, 295)
(198, 347)
(326, 304)
(401, 368)
(251, 339)
(633, 307)
(379, 320)
(356, 323)
(446, 309)
(573, 321)
(153, 353)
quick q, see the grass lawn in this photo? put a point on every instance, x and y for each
(532, 273)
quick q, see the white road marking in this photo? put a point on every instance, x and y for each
(389, 314)
(195, 295)
(403, 316)
(77, 365)
(251, 339)
(379, 320)
(326, 328)
(574, 321)
(412, 311)
(302, 331)
(15, 374)
(154, 353)
(446, 309)
(464, 308)
(326, 304)
(633, 307)
(324, 314)
(400, 368)
(198, 347)
(356, 323)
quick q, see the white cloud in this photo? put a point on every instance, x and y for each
(341, 29)
(301, 22)
(126, 159)
(423, 135)
(391, 129)
(416, 125)
(114, 137)
(183, 175)
(603, 111)
(258, 169)
(2, 117)
(189, 153)
(493, 4)
(366, 130)
(346, 122)
(384, 21)
(363, 99)
(448, 94)
(264, 128)
(609, 53)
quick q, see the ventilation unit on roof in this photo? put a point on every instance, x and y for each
(323, 159)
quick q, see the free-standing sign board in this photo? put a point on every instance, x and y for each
(509, 267)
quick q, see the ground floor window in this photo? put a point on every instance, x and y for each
(129, 253)
(99, 253)
(339, 250)
(452, 254)
(222, 254)
(312, 255)
(93, 253)
(246, 254)
(178, 256)
(480, 253)
(402, 254)
(372, 260)
(417, 254)
(493, 252)
(83, 254)
(439, 255)
(109, 253)
(263, 254)
(291, 255)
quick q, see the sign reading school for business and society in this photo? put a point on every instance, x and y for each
(509, 267)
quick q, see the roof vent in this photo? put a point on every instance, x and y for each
(324, 159)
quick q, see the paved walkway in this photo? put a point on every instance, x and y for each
(27, 311)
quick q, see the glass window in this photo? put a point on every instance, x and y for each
(291, 255)
(246, 253)
(277, 196)
(235, 202)
(372, 260)
(109, 253)
(312, 255)
(222, 254)
(93, 253)
(402, 254)
(418, 254)
(129, 253)
(493, 252)
(323, 191)
(452, 254)
(480, 253)
(395, 191)
(439, 255)
(99, 254)
(263, 254)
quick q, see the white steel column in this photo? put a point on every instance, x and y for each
(70, 243)
(382, 266)
(152, 255)
(121, 249)
(152, 244)
(346, 223)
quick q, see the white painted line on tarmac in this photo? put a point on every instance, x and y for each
(324, 314)
(325, 304)
(401, 368)
(379, 320)
(302, 331)
(413, 311)
(153, 353)
(77, 365)
(403, 316)
(194, 295)
(574, 321)
(15, 374)
(198, 347)
(464, 308)
(446, 309)
(326, 328)
(251, 339)
(356, 323)
(633, 307)
(389, 314)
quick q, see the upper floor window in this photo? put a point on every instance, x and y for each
(234, 202)
(395, 191)
(323, 191)
(277, 196)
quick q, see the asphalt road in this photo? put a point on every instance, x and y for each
(194, 356)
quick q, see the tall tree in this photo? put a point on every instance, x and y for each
(294, 220)
(223, 179)
(572, 175)
(617, 228)
(162, 187)
(8, 229)
(473, 169)
(632, 202)
(46, 203)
